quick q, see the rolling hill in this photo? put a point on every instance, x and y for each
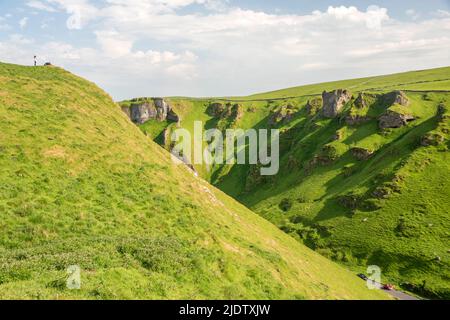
(367, 183)
(80, 185)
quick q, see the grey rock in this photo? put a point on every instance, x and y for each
(127, 111)
(313, 106)
(361, 154)
(282, 114)
(216, 109)
(392, 119)
(356, 120)
(334, 101)
(396, 97)
(360, 102)
(337, 136)
(153, 109)
(431, 139)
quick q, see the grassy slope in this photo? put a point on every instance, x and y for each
(80, 185)
(407, 234)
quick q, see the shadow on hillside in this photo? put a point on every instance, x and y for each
(391, 156)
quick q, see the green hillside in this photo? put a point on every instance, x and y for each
(349, 188)
(81, 185)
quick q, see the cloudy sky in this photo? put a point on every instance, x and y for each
(224, 47)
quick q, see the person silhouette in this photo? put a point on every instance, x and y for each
(35, 61)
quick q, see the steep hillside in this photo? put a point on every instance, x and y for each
(364, 183)
(81, 185)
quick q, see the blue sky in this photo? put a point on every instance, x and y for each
(219, 47)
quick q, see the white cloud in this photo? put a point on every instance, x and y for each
(80, 12)
(19, 39)
(146, 47)
(23, 22)
(442, 13)
(412, 14)
(3, 25)
(113, 44)
(313, 66)
(40, 6)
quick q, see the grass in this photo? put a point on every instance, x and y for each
(398, 217)
(81, 185)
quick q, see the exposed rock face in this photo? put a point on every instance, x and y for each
(356, 120)
(392, 119)
(282, 114)
(216, 109)
(326, 157)
(154, 109)
(361, 154)
(227, 111)
(337, 136)
(396, 97)
(141, 113)
(360, 102)
(334, 101)
(432, 139)
(313, 106)
(127, 111)
(227, 115)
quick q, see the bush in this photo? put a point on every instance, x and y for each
(286, 205)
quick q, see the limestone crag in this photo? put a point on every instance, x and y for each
(334, 102)
(150, 109)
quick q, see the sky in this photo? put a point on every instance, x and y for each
(134, 48)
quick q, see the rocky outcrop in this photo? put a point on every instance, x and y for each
(216, 109)
(282, 114)
(229, 111)
(354, 120)
(360, 101)
(334, 101)
(396, 97)
(432, 139)
(325, 157)
(337, 136)
(141, 113)
(227, 115)
(313, 106)
(150, 109)
(361, 154)
(393, 119)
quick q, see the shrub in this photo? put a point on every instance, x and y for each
(286, 205)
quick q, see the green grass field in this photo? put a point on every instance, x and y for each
(81, 185)
(391, 210)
